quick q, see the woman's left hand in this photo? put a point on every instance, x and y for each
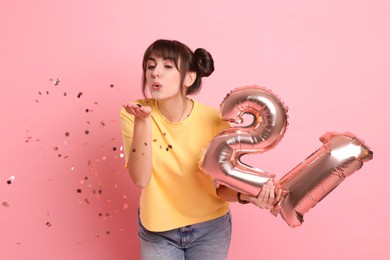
(267, 197)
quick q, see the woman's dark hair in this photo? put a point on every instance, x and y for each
(201, 62)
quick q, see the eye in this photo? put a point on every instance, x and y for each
(168, 64)
(150, 65)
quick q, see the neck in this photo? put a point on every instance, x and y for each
(175, 111)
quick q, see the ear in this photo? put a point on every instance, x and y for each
(189, 79)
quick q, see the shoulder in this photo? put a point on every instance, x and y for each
(204, 108)
(211, 116)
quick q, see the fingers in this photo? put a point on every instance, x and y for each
(267, 197)
(132, 107)
(136, 109)
(271, 193)
(279, 195)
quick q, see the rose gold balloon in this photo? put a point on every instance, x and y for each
(221, 158)
(313, 179)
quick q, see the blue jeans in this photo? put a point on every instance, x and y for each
(208, 240)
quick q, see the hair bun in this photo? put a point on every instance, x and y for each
(205, 62)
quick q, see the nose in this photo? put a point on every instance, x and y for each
(157, 72)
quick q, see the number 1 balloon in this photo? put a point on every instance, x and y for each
(313, 179)
(305, 185)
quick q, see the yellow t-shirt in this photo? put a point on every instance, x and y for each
(179, 193)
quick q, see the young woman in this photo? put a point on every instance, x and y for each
(182, 215)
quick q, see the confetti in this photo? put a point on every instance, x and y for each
(5, 204)
(56, 82)
(88, 190)
(10, 180)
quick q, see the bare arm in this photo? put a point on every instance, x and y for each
(265, 200)
(140, 156)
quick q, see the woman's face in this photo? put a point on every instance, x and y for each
(162, 78)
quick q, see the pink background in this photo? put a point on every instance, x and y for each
(329, 61)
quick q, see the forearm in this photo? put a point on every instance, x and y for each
(265, 200)
(140, 156)
(227, 194)
(230, 195)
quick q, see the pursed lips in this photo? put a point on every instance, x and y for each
(156, 85)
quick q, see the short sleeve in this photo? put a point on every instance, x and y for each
(127, 128)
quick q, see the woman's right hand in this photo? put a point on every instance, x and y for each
(137, 110)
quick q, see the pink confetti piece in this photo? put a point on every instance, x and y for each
(56, 82)
(10, 180)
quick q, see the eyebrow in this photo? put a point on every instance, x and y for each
(153, 59)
